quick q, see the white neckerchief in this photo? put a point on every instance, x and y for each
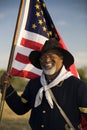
(64, 74)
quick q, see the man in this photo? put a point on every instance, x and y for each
(69, 91)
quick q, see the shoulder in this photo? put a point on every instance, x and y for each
(76, 83)
(75, 80)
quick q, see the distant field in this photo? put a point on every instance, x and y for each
(11, 121)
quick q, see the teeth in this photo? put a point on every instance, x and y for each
(49, 64)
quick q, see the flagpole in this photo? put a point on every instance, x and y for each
(18, 23)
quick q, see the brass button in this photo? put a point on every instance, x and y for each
(42, 126)
(43, 111)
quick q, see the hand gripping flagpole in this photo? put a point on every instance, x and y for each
(18, 23)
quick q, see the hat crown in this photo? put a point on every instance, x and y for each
(50, 45)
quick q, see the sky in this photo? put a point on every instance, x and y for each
(69, 17)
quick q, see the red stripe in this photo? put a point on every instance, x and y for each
(23, 73)
(31, 44)
(22, 58)
(61, 42)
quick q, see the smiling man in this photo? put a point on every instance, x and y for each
(51, 62)
(69, 91)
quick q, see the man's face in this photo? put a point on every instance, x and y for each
(51, 62)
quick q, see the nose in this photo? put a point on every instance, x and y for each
(47, 59)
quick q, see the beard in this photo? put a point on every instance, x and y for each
(49, 68)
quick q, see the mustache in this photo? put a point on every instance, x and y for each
(52, 63)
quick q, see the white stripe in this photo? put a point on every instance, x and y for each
(28, 67)
(25, 15)
(23, 50)
(34, 37)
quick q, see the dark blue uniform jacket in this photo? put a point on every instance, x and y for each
(71, 96)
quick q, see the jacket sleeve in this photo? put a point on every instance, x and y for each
(17, 103)
(82, 99)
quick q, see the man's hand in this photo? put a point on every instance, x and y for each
(5, 81)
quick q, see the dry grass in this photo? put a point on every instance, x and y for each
(11, 121)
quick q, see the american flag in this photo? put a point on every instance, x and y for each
(37, 27)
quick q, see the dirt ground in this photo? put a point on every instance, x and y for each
(11, 121)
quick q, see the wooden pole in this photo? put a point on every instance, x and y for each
(18, 23)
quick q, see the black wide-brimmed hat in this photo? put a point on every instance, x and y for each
(51, 44)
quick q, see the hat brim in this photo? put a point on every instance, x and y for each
(68, 59)
(34, 58)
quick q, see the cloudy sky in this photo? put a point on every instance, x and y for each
(69, 17)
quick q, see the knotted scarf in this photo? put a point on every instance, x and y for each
(64, 74)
